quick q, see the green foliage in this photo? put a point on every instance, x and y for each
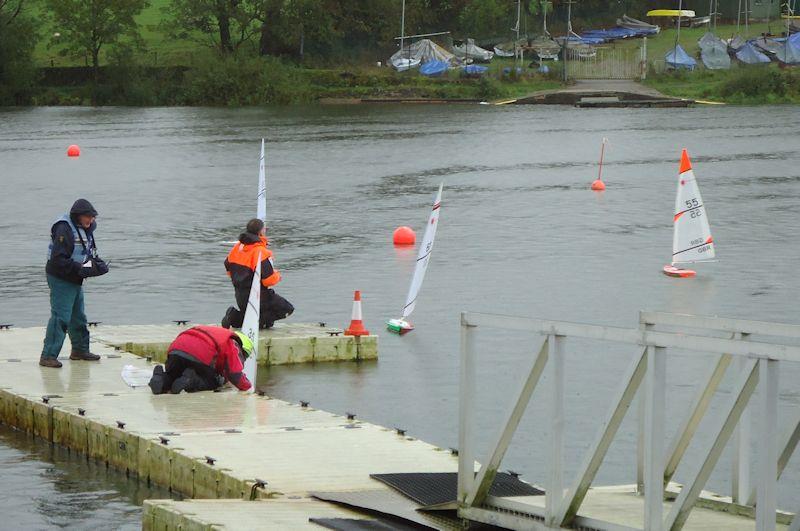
(742, 84)
(226, 24)
(750, 83)
(238, 80)
(17, 41)
(484, 17)
(88, 25)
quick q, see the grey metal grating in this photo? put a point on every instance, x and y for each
(440, 487)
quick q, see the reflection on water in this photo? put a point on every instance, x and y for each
(520, 233)
(46, 487)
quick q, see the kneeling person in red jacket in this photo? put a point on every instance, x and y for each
(202, 359)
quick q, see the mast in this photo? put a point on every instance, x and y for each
(403, 31)
(517, 56)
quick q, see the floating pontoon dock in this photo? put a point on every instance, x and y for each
(251, 461)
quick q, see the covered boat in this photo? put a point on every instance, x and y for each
(714, 52)
(434, 68)
(678, 59)
(578, 47)
(421, 52)
(749, 55)
(790, 53)
(468, 50)
(505, 49)
(767, 45)
(546, 48)
(735, 43)
(641, 28)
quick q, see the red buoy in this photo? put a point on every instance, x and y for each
(598, 185)
(73, 151)
(404, 236)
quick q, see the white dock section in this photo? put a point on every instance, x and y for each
(283, 344)
(252, 461)
(202, 445)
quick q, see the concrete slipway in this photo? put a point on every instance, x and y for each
(227, 448)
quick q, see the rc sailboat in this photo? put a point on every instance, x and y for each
(402, 326)
(691, 240)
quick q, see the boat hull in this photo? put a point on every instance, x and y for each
(672, 271)
(399, 326)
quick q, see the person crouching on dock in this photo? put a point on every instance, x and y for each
(241, 265)
(203, 358)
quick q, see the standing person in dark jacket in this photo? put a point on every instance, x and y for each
(241, 266)
(202, 359)
(71, 258)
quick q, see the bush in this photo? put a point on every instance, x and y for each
(238, 80)
(757, 82)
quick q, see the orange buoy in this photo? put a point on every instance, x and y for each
(404, 236)
(73, 151)
(598, 185)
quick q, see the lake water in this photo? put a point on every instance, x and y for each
(520, 233)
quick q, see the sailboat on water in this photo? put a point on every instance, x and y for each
(691, 240)
(401, 325)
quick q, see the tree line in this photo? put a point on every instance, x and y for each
(290, 29)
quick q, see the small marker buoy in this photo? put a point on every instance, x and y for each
(74, 151)
(598, 185)
(404, 236)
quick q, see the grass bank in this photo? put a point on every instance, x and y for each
(742, 84)
(232, 81)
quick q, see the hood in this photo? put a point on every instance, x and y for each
(248, 238)
(82, 206)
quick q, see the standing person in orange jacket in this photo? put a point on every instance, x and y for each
(241, 265)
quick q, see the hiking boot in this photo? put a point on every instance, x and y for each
(188, 381)
(229, 314)
(157, 381)
(50, 362)
(83, 356)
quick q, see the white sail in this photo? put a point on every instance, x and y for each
(423, 256)
(261, 211)
(250, 324)
(691, 240)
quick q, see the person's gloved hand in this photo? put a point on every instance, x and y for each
(90, 268)
(101, 266)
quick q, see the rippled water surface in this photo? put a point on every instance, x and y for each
(520, 233)
(44, 487)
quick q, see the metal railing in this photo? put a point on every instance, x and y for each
(757, 364)
(610, 62)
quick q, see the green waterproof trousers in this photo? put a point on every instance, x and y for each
(66, 316)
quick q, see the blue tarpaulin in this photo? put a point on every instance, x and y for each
(434, 68)
(475, 70)
(748, 54)
(678, 58)
(789, 53)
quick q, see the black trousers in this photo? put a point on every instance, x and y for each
(207, 378)
(273, 308)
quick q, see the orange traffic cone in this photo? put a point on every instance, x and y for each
(356, 327)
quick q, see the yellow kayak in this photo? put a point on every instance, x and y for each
(670, 13)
